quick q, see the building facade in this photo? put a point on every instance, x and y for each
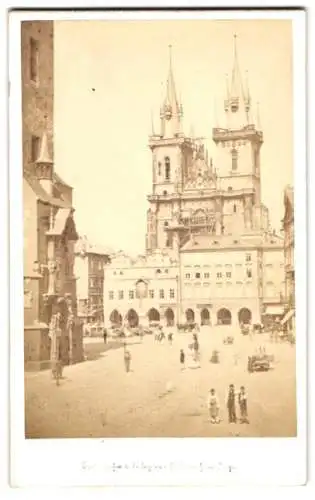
(230, 281)
(49, 227)
(90, 261)
(205, 212)
(122, 303)
(288, 228)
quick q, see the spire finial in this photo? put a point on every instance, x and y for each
(170, 55)
(235, 45)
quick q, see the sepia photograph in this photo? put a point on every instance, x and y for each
(158, 198)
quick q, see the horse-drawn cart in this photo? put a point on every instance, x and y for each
(259, 363)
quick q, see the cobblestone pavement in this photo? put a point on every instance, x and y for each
(98, 398)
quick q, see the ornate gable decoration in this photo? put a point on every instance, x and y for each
(201, 174)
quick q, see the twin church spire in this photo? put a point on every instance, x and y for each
(171, 111)
(237, 103)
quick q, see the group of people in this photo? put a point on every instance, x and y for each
(160, 336)
(232, 398)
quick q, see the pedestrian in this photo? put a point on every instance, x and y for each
(105, 335)
(182, 358)
(170, 338)
(127, 359)
(242, 401)
(213, 407)
(141, 333)
(231, 404)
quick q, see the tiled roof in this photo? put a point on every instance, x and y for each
(42, 195)
(211, 242)
(60, 222)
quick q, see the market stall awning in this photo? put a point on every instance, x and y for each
(288, 316)
(274, 310)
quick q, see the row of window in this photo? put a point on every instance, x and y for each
(228, 275)
(96, 265)
(158, 271)
(221, 283)
(96, 282)
(132, 294)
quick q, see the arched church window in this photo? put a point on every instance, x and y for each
(167, 168)
(234, 159)
(159, 168)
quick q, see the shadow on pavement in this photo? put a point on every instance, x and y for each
(94, 351)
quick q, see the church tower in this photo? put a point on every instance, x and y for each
(171, 155)
(238, 146)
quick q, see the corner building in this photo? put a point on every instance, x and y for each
(49, 226)
(206, 212)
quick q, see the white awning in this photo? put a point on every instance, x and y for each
(274, 310)
(288, 316)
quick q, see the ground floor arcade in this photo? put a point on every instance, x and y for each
(217, 313)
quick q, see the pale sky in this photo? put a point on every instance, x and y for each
(101, 136)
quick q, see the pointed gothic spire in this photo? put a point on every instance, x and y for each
(236, 82)
(171, 98)
(44, 156)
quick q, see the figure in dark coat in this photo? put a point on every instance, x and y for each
(242, 401)
(231, 404)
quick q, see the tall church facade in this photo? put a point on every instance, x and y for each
(206, 213)
(208, 209)
(192, 193)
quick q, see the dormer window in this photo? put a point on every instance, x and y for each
(230, 188)
(167, 168)
(164, 193)
(234, 159)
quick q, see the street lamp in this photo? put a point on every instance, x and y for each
(141, 292)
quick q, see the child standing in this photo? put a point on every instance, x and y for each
(242, 401)
(214, 407)
(182, 359)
